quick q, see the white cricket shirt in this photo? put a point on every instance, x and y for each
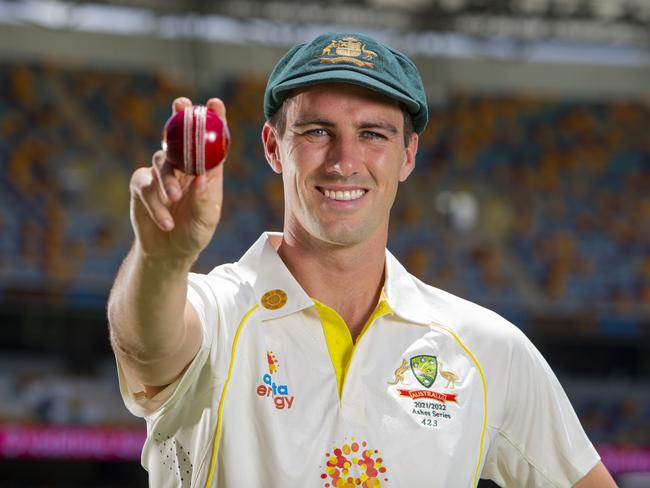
(436, 392)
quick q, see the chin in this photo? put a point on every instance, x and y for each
(343, 236)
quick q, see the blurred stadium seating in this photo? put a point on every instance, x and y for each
(536, 207)
(556, 190)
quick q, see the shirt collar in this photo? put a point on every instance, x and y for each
(263, 268)
(266, 272)
(405, 294)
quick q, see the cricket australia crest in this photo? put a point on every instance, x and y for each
(425, 369)
(348, 50)
(431, 408)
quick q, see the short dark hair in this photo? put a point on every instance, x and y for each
(279, 121)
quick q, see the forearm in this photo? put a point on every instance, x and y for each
(598, 477)
(152, 330)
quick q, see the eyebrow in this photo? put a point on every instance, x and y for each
(314, 121)
(378, 124)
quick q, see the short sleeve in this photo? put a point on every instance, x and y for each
(202, 298)
(540, 441)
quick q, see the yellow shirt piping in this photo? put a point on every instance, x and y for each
(339, 341)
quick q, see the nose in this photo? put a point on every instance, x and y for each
(344, 156)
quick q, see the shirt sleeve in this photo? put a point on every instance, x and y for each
(539, 441)
(202, 298)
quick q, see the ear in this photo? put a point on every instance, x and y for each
(409, 161)
(270, 141)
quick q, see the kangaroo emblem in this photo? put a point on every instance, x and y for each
(328, 49)
(399, 373)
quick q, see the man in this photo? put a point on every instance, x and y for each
(317, 360)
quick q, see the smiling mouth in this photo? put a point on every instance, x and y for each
(342, 195)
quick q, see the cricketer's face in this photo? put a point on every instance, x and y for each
(341, 157)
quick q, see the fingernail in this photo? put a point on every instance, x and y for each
(167, 223)
(173, 193)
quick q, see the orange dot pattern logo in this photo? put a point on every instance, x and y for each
(273, 362)
(274, 299)
(352, 465)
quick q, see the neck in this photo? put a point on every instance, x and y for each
(348, 279)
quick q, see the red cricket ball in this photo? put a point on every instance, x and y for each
(196, 139)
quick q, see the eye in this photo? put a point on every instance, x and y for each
(370, 134)
(317, 132)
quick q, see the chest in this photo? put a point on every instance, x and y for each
(412, 397)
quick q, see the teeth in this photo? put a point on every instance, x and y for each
(343, 195)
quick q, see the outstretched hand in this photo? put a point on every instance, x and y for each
(174, 215)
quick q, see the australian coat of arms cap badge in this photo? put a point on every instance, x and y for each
(348, 50)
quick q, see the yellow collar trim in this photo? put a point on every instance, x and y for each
(339, 341)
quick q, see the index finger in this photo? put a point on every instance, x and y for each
(217, 106)
(180, 103)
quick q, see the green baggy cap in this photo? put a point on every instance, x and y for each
(348, 58)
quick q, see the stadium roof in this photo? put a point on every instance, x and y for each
(584, 31)
(585, 20)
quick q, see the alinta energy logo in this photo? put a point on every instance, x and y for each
(278, 392)
(352, 465)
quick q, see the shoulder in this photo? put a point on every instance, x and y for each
(225, 278)
(226, 289)
(419, 302)
(470, 320)
(500, 349)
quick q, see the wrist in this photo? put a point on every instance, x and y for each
(169, 262)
